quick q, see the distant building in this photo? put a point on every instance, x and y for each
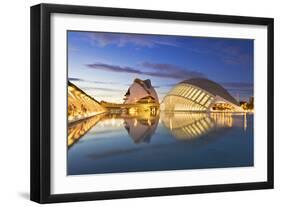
(251, 103)
(199, 94)
(249, 106)
(251, 100)
(141, 91)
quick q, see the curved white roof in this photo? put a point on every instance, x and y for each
(212, 87)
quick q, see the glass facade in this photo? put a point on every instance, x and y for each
(184, 97)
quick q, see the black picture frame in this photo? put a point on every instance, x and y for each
(41, 99)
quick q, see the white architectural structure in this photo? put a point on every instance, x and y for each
(199, 94)
(141, 91)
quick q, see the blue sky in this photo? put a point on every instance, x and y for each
(105, 64)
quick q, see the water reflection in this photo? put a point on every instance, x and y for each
(77, 129)
(186, 126)
(111, 143)
(141, 127)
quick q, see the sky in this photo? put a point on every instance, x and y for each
(104, 64)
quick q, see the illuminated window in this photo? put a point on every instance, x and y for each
(203, 101)
(190, 91)
(193, 92)
(186, 91)
(182, 91)
(208, 103)
(200, 97)
(195, 95)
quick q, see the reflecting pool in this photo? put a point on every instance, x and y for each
(114, 143)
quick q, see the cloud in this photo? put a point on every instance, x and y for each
(113, 68)
(173, 71)
(238, 84)
(103, 39)
(239, 87)
(71, 48)
(76, 79)
(156, 70)
(233, 55)
(239, 59)
(229, 51)
(169, 85)
(97, 82)
(101, 89)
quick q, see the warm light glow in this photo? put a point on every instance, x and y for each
(187, 97)
(80, 105)
(190, 125)
(77, 130)
(245, 121)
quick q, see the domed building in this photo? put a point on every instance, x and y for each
(199, 94)
(141, 91)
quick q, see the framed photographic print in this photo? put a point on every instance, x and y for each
(132, 103)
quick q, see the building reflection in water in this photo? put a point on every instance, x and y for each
(186, 126)
(141, 127)
(245, 121)
(77, 129)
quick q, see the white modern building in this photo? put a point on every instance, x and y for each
(141, 91)
(199, 94)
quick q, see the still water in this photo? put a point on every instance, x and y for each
(112, 143)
